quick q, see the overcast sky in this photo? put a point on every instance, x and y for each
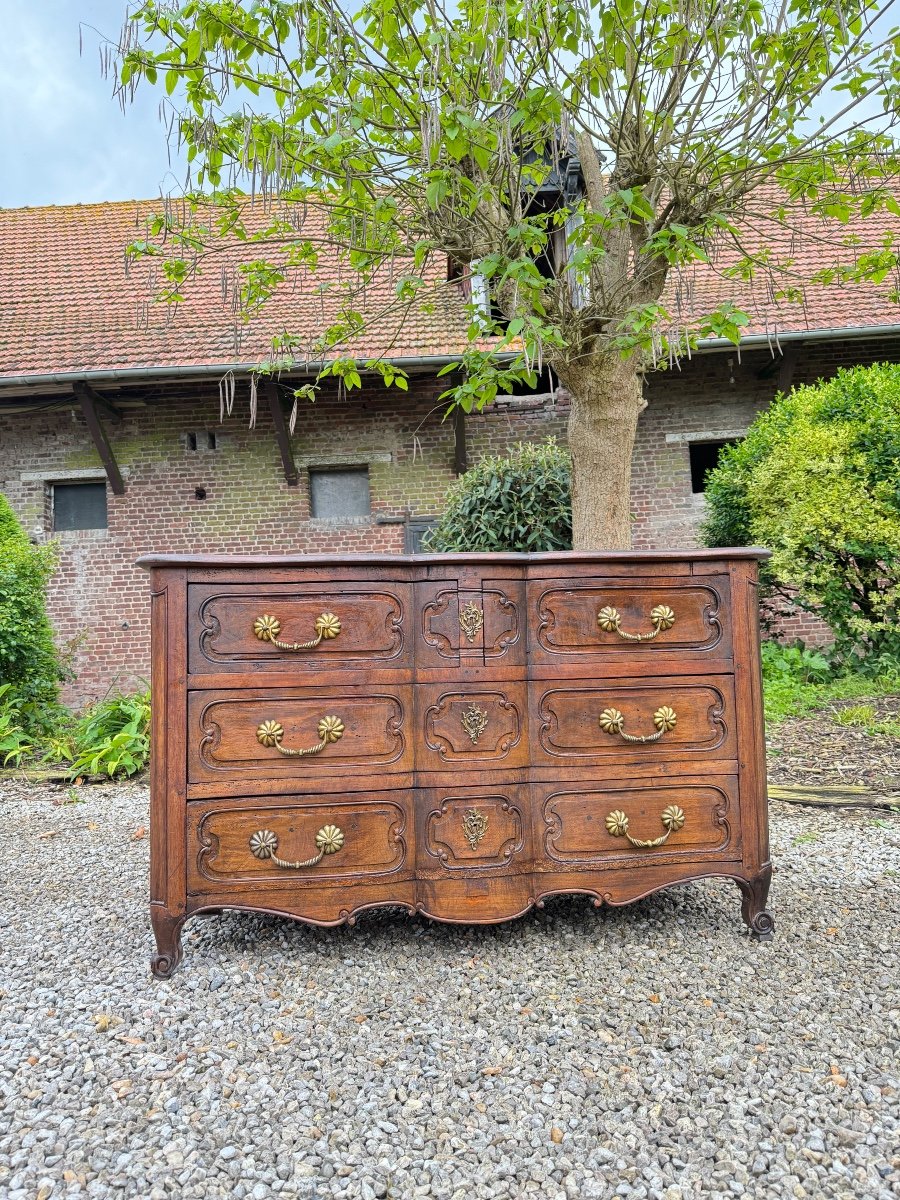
(63, 138)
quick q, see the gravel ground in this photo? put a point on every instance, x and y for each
(652, 1051)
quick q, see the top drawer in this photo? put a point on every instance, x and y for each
(628, 620)
(320, 626)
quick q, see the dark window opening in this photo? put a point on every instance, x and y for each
(203, 439)
(339, 494)
(704, 457)
(544, 384)
(79, 506)
(415, 531)
(199, 493)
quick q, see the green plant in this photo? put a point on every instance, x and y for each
(818, 480)
(888, 728)
(805, 838)
(14, 741)
(56, 746)
(518, 502)
(113, 737)
(795, 662)
(29, 661)
(855, 716)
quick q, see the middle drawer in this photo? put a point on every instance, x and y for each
(299, 733)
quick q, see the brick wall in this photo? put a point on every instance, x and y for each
(99, 599)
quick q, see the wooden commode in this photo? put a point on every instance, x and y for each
(463, 735)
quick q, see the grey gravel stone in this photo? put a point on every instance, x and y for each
(651, 1052)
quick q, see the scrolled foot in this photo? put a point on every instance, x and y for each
(756, 916)
(167, 931)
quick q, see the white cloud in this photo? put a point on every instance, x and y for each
(63, 138)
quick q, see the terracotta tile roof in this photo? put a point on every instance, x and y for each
(67, 305)
(806, 246)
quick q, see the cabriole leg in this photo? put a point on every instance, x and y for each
(753, 909)
(167, 931)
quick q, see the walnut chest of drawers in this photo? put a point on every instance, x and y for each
(462, 735)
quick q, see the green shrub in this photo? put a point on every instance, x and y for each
(113, 737)
(817, 480)
(795, 663)
(519, 502)
(14, 741)
(29, 661)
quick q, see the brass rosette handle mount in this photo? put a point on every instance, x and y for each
(329, 729)
(267, 629)
(264, 843)
(612, 722)
(671, 817)
(662, 618)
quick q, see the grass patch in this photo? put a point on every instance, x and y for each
(805, 838)
(789, 698)
(857, 716)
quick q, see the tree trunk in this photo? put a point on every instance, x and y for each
(607, 399)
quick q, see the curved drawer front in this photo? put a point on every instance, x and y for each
(586, 826)
(276, 843)
(308, 734)
(232, 627)
(631, 619)
(630, 720)
(473, 830)
(482, 727)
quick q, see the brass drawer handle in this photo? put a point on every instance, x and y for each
(267, 629)
(612, 722)
(662, 617)
(264, 843)
(671, 817)
(270, 733)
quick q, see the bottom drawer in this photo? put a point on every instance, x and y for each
(614, 824)
(240, 843)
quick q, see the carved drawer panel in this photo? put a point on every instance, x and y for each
(585, 826)
(465, 830)
(309, 842)
(632, 720)
(471, 622)
(300, 627)
(581, 619)
(482, 726)
(298, 734)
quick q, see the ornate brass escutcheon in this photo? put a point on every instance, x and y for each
(471, 619)
(612, 722)
(474, 825)
(661, 616)
(671, 817)
(474, 721)
(267, 629)
(264, 843)
(270, 733)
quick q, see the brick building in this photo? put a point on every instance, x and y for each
(112, 440)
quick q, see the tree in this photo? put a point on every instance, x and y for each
(818, 480)
(414, 129)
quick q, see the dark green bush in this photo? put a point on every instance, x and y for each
(29, 661)
(522, 501)
(817, 480)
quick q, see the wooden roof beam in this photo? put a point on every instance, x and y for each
(87, 397)
(282, 437)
